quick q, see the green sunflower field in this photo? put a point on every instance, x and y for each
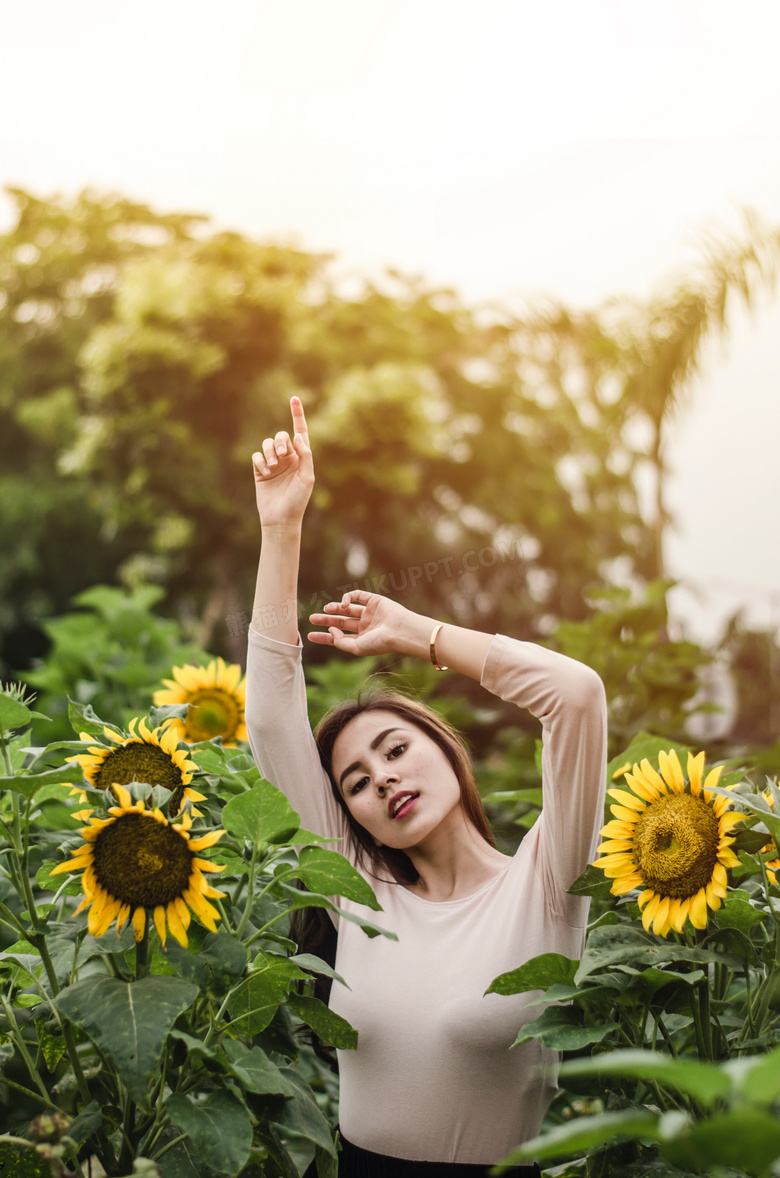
(156, 1015)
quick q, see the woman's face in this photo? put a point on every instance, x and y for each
(396, 781)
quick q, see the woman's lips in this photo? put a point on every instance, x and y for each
(406, 808)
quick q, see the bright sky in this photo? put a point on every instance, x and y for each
(508, 148)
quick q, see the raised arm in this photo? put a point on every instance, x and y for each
(284, 478)
(276, 714)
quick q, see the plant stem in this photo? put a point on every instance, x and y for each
(142, 954)
(20, 1043)
(156, 1157)
(250, 893)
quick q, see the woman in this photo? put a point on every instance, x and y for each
(433, 1087)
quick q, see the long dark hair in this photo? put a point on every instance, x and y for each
(312, 928)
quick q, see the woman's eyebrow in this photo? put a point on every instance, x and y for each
(358, 764)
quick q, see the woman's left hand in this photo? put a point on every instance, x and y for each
(364, 623)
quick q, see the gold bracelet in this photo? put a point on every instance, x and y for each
(436, 629)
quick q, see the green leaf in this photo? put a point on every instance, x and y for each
(302, 1117)
(643, 746)
(331, 1028)
(759, 1081)
(83, 719)
(746, 1138)
(737, 912)
(256, 999)
(219, 1127)
(580, 1134)
(537, 974)
(261, 815)
(563, 1029)
(705, 1082)
(29, 783)
(298, 899)
(86, 1123)
(592, 882)
(314, 964)
(18, 1162)
(256, 1072)
(12, 713)
(330, 874)
(129, 1021)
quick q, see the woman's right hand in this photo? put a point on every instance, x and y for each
(284, 474)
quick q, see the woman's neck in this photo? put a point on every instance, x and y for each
(452, 863)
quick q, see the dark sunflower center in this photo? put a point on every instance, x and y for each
(212, 712)
(141, 862)
(676, 845)
(138, 761)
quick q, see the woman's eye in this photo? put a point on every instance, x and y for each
(358, 785)
(396, 750)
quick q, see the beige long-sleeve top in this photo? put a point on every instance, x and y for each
(433, 1077)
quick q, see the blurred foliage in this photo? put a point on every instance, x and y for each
(650, 680)
(754, 658)
(476, 464)
(110, 653)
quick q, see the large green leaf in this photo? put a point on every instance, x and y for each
(330, 874)
(219, 1127)
(331, 1028)
(29, 783)
(746, 1138)
(297, 899)
(706, 1082)
(255, 1071)
(261, 815)
(563, 1029)
(643, 746)
(256, 1000)
(302, 1117)
(539, 973)
(129, 1021)
(758, 1079)
(623, 944)
(13, 714)
(580, 1134)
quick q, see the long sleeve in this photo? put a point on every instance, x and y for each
(280, 735)
(568, 698)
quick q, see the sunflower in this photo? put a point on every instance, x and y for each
(773, 865)
(137, 861)
(150, 756)
(216, 695)
(670, 840)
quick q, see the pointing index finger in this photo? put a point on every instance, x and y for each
(299, 418)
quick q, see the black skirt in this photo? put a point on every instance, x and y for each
(355, 1162)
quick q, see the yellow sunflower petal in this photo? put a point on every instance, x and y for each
(671, 770)
(626, 883)
(206, 840)
(640, 787)
(650, 776)
(175, 925)
(661, 918)
(159, 923)
(618, 830)
(139, 923)
(627, 799)
(649, 911)
(695, 770)
(698, 909)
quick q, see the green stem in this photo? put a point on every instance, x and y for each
(156, 1157)
(142, 954)
(28, 1092)
(250, 893)
(667, 1037)
(748, 1023)
(20, 1043)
